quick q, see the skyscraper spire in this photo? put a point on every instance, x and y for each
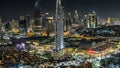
(37, 19)
(59, 26)
(37, 4)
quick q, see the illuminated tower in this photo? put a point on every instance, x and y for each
(28, 21)
(50, 26)
(37, 19)
(70, 19)
(1, 32)
(76, 18)
(85, 21)
(92, 20)
(59, 26)
(2, 29)
(109, 20)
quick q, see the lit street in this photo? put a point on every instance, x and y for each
(59, 34)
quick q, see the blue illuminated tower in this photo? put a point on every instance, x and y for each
(59, 44)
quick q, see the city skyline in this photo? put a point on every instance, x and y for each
(12, 9)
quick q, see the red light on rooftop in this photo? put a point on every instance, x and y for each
(91, 52)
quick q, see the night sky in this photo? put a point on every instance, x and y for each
(12, 9)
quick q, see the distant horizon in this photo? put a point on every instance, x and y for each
(13, 9)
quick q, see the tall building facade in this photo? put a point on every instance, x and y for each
(76, 17)
(1, 32)
(85, 21)
(92, 20)
(28, 21)
(50, 26)
(23, 26)
(44, 20)
(69, 21)
(59, 42)
(37, 19)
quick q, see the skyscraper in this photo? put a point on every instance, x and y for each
(59, 44)
(109, 20)
(75, 23)
(37, 19)
(1, 32)
(76, 17)
(23, 26)
(37, 13)
(44, 20)
(28, 21)
(70, 18)
(50, 26)
(92, 20)
(85, 21)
